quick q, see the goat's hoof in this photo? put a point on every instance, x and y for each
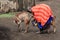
(19, 30)
(54, 30)
(38, 32)
(25, 32)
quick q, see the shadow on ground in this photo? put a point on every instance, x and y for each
(4, 33)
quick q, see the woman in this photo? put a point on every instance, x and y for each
(43, 16)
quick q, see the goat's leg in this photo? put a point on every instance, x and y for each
(26, 28)
(48, 31)
(53, 24)
(54, 27)
(19, 28)
(47, 28)
(39, 30)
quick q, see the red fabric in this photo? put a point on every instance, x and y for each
(42, 12)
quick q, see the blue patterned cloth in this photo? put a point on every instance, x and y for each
(39, 24)
(48, 22)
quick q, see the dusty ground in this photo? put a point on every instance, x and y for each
(8, 30)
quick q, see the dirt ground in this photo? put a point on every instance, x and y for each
(9, 30)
